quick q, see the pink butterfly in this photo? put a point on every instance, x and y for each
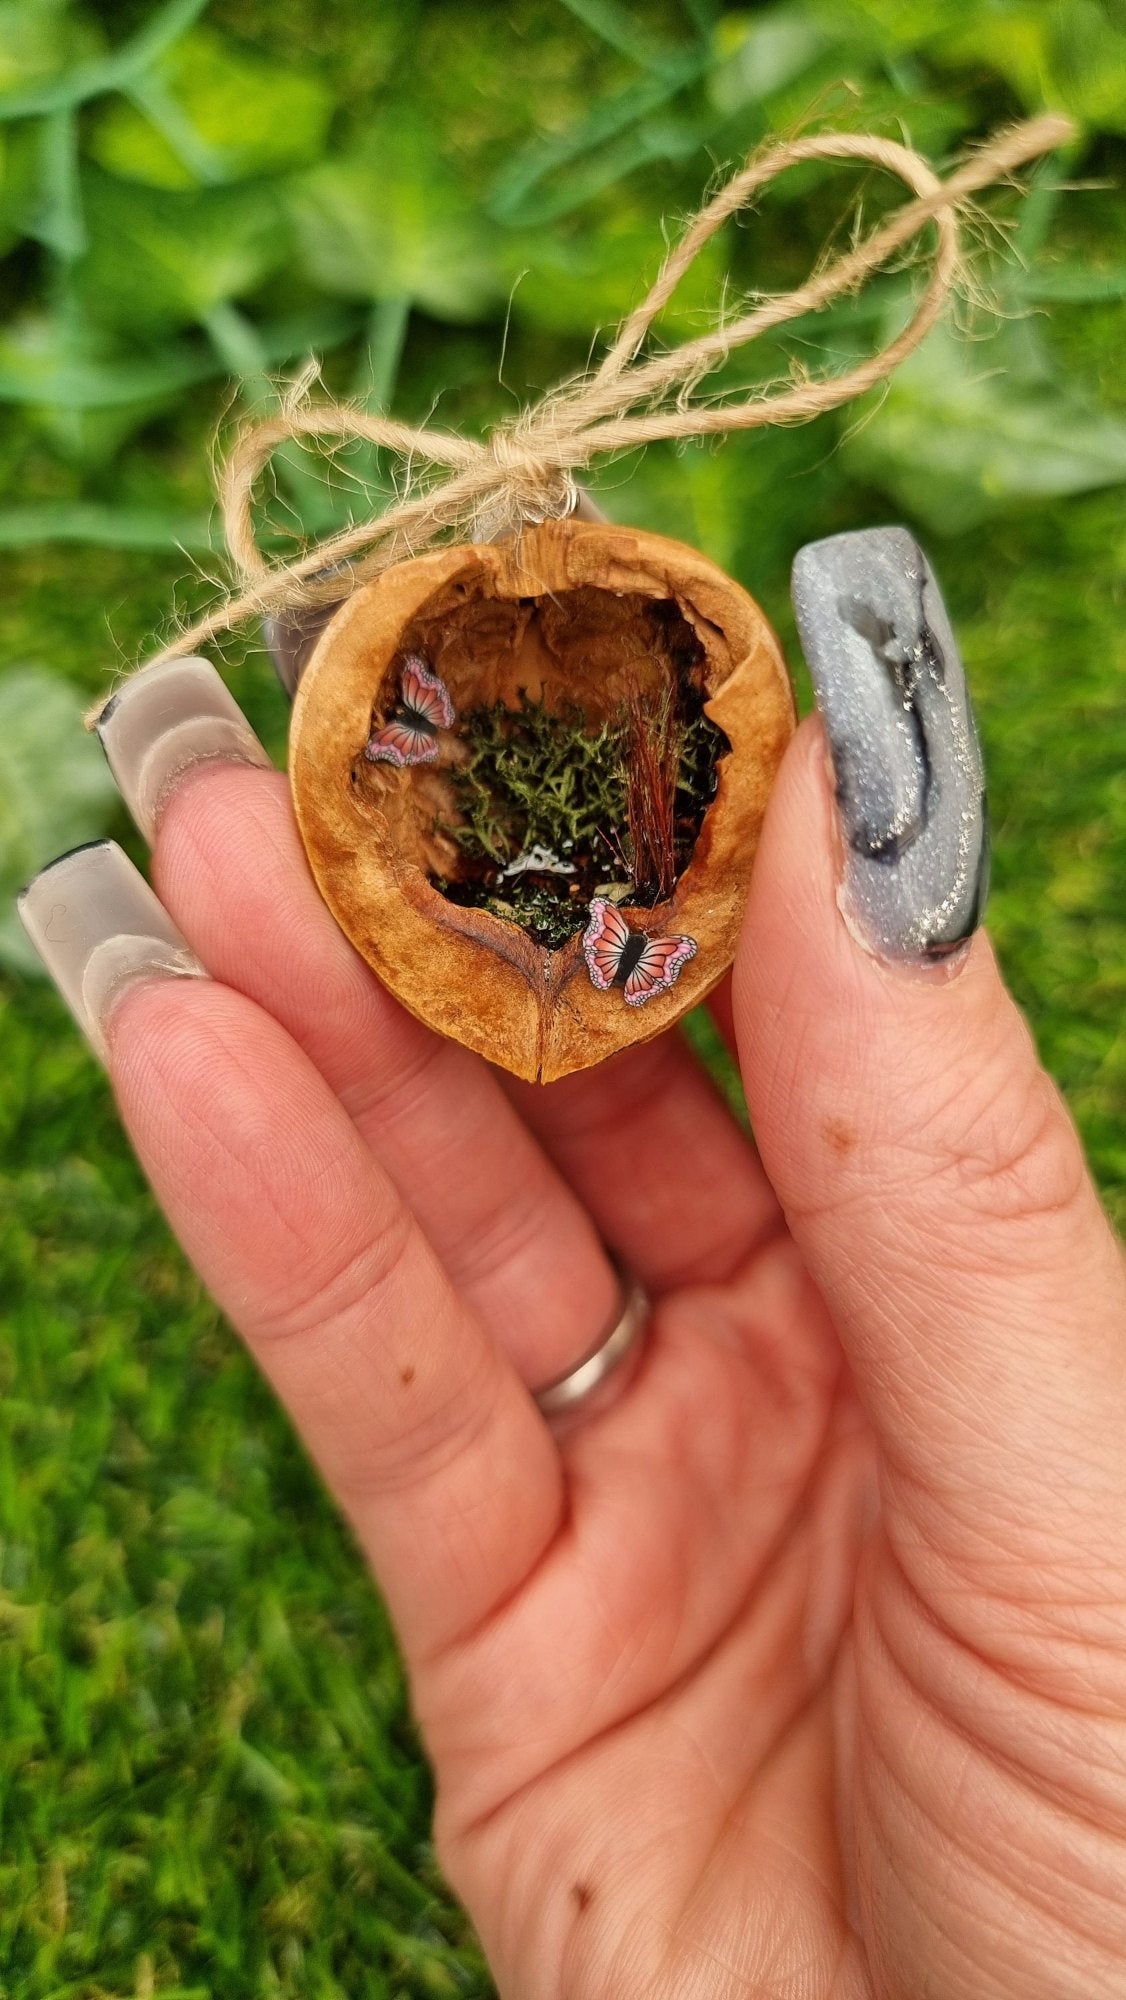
(615, 955)
(424, 707)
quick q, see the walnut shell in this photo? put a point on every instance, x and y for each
(557, 611)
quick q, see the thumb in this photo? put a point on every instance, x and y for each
(928, 1167)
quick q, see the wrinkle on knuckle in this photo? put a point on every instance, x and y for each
(1015, 1158)
(346, 1281)
(391, 1092)
(504, 1238)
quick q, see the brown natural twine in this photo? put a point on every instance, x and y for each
(524, 471)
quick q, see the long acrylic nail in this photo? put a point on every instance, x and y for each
(892, 692)
(291, 638)
(97, 926)
(163, 721)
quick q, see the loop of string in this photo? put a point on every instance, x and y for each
(525, 471)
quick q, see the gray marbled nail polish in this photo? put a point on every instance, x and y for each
(891, 690)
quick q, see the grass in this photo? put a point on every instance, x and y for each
(209, 1782)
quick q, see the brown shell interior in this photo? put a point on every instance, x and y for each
(584, 649)
(570, 612)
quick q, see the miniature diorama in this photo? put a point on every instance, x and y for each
(530, 777)
(530, 753)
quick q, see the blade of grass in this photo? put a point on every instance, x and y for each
(373, 384)
(1037, 211)
(105, 527)
(703, 15)
(1070, 284)
(620, 30)
(658, 139)
(382, 352)
(59, 224)
(236, 341)
(508, 201)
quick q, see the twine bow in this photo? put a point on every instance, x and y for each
(525, 470)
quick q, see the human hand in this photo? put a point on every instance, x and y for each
(800, 1670)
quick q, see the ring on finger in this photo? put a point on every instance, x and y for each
(606, 1371)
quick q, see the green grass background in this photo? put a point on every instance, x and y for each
(208, 1777)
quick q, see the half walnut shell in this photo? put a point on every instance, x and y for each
(573, 616)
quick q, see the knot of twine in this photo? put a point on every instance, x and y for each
(527, 488)
(525, 471)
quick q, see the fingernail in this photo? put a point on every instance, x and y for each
(97, 926)
(292, 635)
(290, 640)
(163, 721)
(910, 787)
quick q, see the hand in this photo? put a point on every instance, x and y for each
(802, 1669)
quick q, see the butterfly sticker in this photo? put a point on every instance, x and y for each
(410, 735)
(617, 956)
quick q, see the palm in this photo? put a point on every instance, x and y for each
(673, 1696)
(668, 1672)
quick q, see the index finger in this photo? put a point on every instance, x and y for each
(418, 1421)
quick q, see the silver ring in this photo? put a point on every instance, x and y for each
(576, 1390)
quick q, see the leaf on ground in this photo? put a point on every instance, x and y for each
(45, 361)
(219, 115)
(38, 38)
(391, 220)
(161, 258)
(81, 391)
(55, 789)
(44, 358)
(967, 427)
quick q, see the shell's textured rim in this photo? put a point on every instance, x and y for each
(471, 975)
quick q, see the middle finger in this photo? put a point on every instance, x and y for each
(655, 1155)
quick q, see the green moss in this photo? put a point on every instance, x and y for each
(538, 778)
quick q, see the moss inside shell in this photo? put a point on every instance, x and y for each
(565, 768)
(561, 652)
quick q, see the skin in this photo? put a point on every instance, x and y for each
(801, 1670)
